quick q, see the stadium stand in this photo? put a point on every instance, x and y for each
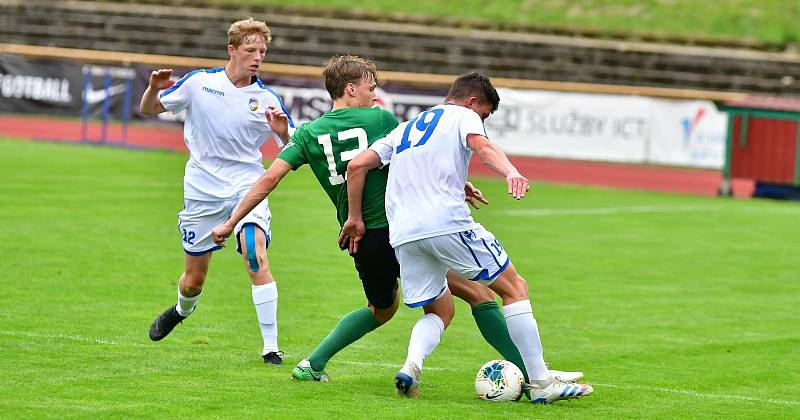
(193, 30)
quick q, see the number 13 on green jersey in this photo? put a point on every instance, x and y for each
(329, 142)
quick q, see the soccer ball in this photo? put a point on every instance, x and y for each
(499, 380)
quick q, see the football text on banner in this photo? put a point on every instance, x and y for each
(39, 87)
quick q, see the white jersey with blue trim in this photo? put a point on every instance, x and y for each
(224, 130)
(429, 158)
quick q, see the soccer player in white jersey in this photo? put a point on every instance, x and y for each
(230, 114)
(431, 229)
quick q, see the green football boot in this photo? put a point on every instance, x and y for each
(304, 372)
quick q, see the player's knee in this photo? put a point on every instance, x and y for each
(522, 285)
(518, 289)
(256, 262)
(383, 315)
(479, 294)
(469, 291)
(511, 286)
(443, 308)
(486, 295)
(192, 282)
(447, 316)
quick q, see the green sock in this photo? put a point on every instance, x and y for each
(350, 328)
(492, 325)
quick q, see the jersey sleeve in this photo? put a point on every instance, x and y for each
(470, 123)
(177, 97)
(294, 152)
(384, 148)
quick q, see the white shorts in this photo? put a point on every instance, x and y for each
(198, 218)
(474, 254)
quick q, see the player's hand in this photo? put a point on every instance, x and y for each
(517, 185)
(220, 233)
(352, 232)
(161, 79)
(474, 196)
(278, 122)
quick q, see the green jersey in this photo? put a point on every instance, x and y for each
(329, 142)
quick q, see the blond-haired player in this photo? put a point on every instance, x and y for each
(230, 114)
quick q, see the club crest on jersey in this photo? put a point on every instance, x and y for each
(253, 104)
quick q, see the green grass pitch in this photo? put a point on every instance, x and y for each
(674, 306)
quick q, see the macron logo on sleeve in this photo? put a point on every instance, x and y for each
(214, 91)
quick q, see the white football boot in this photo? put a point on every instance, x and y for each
(407, 380)
(554, 389)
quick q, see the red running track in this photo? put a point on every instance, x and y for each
(638, 177)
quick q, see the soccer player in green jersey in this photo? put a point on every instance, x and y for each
(327, 144)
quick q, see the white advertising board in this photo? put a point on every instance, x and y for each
(612, 128)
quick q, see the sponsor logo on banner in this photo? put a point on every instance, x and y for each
(570, 125)
(98, 78)
(93, 96)
(704, 137)
(36, 88)
(613, 128)
(567, 123)
(690, 124)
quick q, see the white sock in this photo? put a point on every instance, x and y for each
(186, 305)
(525, 334)
(265, 298)
(425, 337)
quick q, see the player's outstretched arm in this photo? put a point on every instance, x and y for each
(159, 79)
(495, 159)
(257, 193)
(353, 229)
